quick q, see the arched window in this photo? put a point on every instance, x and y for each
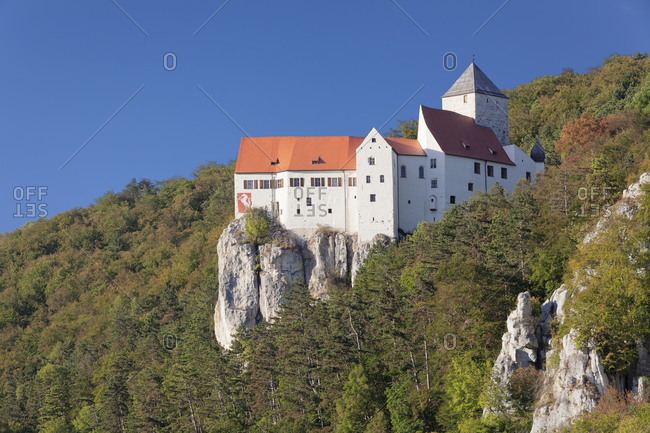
(433, 202)
(421, 172)
(371, 160)
(402, 171)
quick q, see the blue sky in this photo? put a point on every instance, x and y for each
(276, 67)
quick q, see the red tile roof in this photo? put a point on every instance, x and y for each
(405, 146)
(451, 130)
(256, 154)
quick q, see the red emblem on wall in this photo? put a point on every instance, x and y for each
(244, 202)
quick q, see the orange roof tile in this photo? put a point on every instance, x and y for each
(275, 154)
(405, 146)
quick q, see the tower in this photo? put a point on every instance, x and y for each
(476, 96)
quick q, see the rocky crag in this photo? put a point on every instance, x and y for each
(573, 380)
(254, 279)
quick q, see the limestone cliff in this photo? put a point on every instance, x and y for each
(253, 280)
(573, 379)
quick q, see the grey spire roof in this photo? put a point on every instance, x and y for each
(537, 153)
(473, 80)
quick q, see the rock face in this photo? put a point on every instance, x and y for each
(253, 280)
(519, 345)
(573, 379)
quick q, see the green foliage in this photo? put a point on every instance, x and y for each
(106, 312)
(257, 226)
(405, 129)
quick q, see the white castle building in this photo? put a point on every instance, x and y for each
(383, 185)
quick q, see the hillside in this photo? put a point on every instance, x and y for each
(106, 312)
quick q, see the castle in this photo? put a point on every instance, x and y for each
(384, 185)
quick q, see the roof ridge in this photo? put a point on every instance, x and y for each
(474, 80)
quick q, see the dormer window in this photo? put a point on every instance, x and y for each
(493, 152)
(314, 162)
(276, 162)
(465, 145)
(317, 161)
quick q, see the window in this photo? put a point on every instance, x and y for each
(477, 167)
(314, 162)
(276, 162)
(381, 178)
(296, 181)
(464, 99)
(329, 210)
(504, 173)
(465, 145)
(490, 170)
(298, 210)
(470, 186)
(434, 183)
(373, 198)
(402, 171)
(335, 181)
(367, 179)
(452, 199)
(433, 163)
(308, 201)
(248, 184)
(279, 183)
(373, 139)
(371, 160)
(352, 181)
(317, 181)
(528, 175)
(265, 184)
(421, 172)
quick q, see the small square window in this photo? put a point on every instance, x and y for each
(371, 160)
(470, 186)
(374, 140)
(329, 210)
(452, 199)
(381, 178)
(373, 197)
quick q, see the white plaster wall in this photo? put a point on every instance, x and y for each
(412, 192)
(379, 216)
(290, 199)
(457, 104)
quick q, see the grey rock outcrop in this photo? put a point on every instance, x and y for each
(254, 280)
(519, 345)
(573, 380)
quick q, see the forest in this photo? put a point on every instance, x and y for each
(106, 311)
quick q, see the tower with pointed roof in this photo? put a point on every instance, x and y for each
(476, 96)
